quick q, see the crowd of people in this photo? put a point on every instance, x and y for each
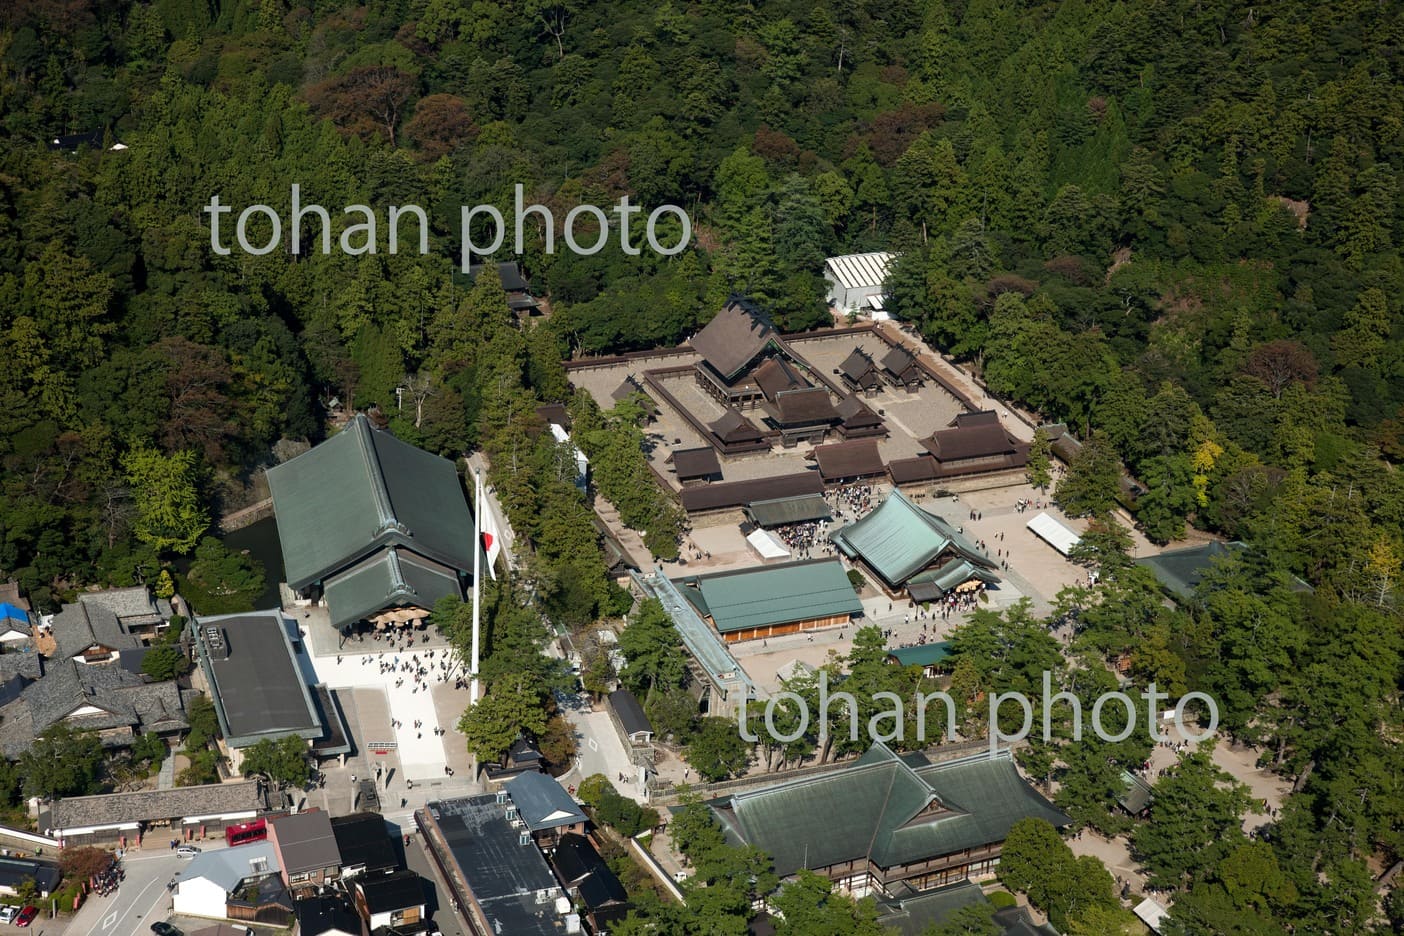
(807, 540)
(852, 501)
(433, 665)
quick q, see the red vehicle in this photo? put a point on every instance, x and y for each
(26, 916)
(246, 832)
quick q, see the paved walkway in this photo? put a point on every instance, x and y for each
(389, 672)
(1239, 761)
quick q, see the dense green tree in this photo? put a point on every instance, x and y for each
(1038, 862)
(809, 906)
(62, 761)
(716, 750)
(170, 516)
(283, 762)
(652, 650)
(1092, 479)
(220, 581)
(1195, 821)
(204, 723)
(165, 661)
(1039, 469)
(511, 707)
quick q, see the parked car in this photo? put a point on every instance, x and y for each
(163, 928)
(26, 916)
(8, 913)
(188, 851)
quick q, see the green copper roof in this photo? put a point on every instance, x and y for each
(921, 655)
(952, 573)
(363, 489)
(1179, 570)
(778, 594)
(914, 915)
(898, 539)
(392, 578)
(882, 809)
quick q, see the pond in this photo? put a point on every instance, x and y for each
(261, 540)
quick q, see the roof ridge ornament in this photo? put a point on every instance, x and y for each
(385, 510)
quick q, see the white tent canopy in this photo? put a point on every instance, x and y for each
(1152, 914)
(768, 545)
(1054, 533)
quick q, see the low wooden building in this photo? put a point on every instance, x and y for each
(886, 823)
(857, 419)
(976, 443)
(900, 369)
(860, 372)
(841, 462)
(774, 601)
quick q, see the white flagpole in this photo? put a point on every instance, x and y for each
(477, 579)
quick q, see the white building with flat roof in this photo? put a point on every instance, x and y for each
(856, 281)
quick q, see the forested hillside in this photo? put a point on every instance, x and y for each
(1173, 225)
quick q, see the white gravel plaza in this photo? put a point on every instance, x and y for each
(421, 749)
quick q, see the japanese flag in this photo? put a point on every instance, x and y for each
(492, 540)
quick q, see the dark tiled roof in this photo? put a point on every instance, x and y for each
(860, 368)
(364, 841)
(899, 363)
(121, 700)
(602, 889)
(980, 418)
(542, 802)
(82, 625)
(696, 463)
(305, 842)
(554, 413)
(132, 605)
(629, 386)
(783, 510)
(741, 493)
(855, 413)
(10, 594)
(398, 891)
(805, 406)
(14, 871)
(840, 460)
(214, 799)
(318, 915)
(912, 470)
(630, 712)
(508, 271)
(575, 859)
(579, 865)
(775, 375)
(732, 427)
(976, 440)
(733, 338)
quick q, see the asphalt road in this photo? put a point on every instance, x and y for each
(141, 900)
